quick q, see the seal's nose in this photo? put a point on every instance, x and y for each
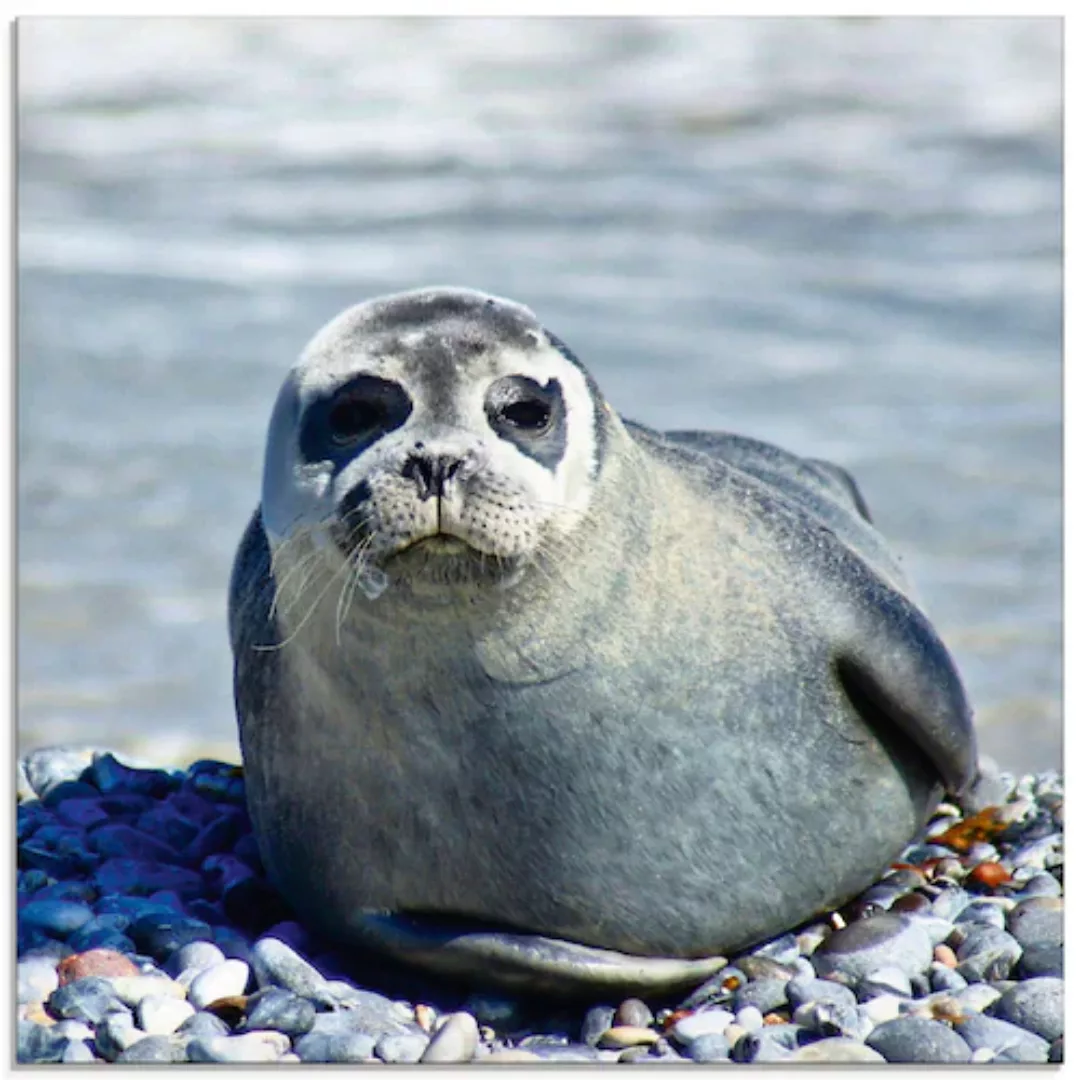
(432, 472)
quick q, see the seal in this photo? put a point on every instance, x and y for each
(535, 695)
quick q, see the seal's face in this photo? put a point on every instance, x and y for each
(439, 434)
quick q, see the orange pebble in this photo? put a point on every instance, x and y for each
(107, 963)
(775, 1018)
(944, 955)
(990, 874)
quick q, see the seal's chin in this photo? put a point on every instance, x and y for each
(440, 560)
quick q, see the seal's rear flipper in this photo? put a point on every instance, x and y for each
(522, 961)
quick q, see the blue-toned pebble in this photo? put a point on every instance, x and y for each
(217, 786)
(977, 997)
(69, 789)
(205, 910)
(597, 1020)
(1040, 884)
(707, 1048)
(761, 1047)
(943, 977)
(709, 1021)
(783, 949)
(276, 964)
(826, 1018)
(160, 1014)
(293, 934)
(83, 813)
(763, 994)
(801, 991)
(123, 842)
(89, 999)
(276, 1009)
(218, 835)
(227, 979)
(869, 944)
(949, 903)
(403, 1049)
(1045, 958)
(166, 822)
(184, 964)
(255, 1046)
(32, 881)
(914, 1039)
(154, 1050)
(749, 1018)
(318, 1047)
(36, 979)
(110, 776)
(1037, 921)
(112, 922)
(254, 905)
(222, 871)
(1036, 1005)
(37, 1044)
(233, 944)
(247, 850)
(78, 1052)
(1008, 1042)
(885, 980)
(134, 907)
(203, 1025)
(79, 892)
(987, 953)
(47, 947)
(936, 929)
(168, 900)
(36, 855)
(115, 1033)
(1057, 1050)
(73, 1030)
(121, 805)
(159, 935)
(143, 878)
(102, 937)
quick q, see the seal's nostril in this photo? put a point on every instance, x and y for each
(431, 473)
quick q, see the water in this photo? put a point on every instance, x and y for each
(841, 235)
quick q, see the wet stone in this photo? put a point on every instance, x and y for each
(1008, 1042)
(915, 1039)
(89, 999)
(763, 994)
(881, 941)
(455, 1041)
(276, 1009)
(154, 1050)
(1036, 1005)
(405, 1049)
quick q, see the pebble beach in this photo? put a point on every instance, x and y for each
(147, 932)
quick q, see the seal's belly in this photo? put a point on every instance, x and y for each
(643, 812)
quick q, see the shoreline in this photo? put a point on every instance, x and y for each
(147, 932)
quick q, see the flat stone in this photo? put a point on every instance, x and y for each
(406, 1049)
(277, 964)
(203, 1025)
(804, 991)
(224, 980)
(255, 1046)
(507, 1057)
(131, 989)
(765, 994)
(455, 1041)
(914, 1039)
(154, 1050)
(161, 934)
(619, 1038)
(368, 1012)
(318, 1047)
(1008, 1042)
(1036, 1005)
(704, 1022)
(883, 940)
(835, 1050)
(161, 1015)
(58, 918)
(597, 1020)
(89, 999)
(275, 1009)
(710, 1048)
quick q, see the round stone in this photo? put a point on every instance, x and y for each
(58, 918)
(1008, 1042)
(89, 999)
(835, 1050)
(276, 1009)
(749, 1018)
(633, 1012)
(405, 1049)
(914, 1039)
(710, 1047)
(885, 980)
(191, 959)
(763, 994)
(1046, 958)
(162, 1015)
(277, 964)
(455, 1041)
(1038, 921)
(1036, 1005)
(704, 1022)
(805, 991)
(883, 940)
(36, 978)
(227, 979)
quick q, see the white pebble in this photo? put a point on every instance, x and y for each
(131, 989)
(706, 1022)
(193, 958)
(455, 1041)
(982, 1056)
(159, 1015)
(882, 1009)
(254, 1046)
(227, 979)
(750, 1018)
(37, 979)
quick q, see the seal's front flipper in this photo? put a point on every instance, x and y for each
(893, 664)
(522, 961)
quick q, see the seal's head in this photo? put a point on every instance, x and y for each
(423, 433)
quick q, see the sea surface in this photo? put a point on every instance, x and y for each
(841, 235)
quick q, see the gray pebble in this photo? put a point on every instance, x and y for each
(885, 980)
(949, 903)
(255, 1046)
(839, 1050)
(826, 1018)
(401, 1049)
(38, 1044)
(277, 964)
(1008, 1042)
(915, 1039)
(710, 1047)
(757, 1046)
(763, 994)
(227, 979)
(982, 914)
(89, 999)
(1038, 921)
(159, 1014)
(184, 964)
(633, 1012)
(1046, 958)
(73, 1030)
(1057, 1050)
(203, 1025)
(1040, 884)
(802, 991)
(276, 1009)
(36, 979)
(115, 1033)
(154, 1050)
(1036, 1005)
(317, 1047)
(943, 977)
(749, 1018)
(783, 949)
(880, 941)
(597, 1020)
(455, 1041)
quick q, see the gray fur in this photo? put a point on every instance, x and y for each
(703, 713)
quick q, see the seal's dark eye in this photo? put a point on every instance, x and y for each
(353, 416)
(527, 415)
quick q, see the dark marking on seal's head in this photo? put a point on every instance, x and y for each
(530, 416)
(600, 431)
(354, 416)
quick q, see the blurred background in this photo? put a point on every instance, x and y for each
(841, 235)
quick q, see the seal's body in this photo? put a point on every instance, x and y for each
(503, 657)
